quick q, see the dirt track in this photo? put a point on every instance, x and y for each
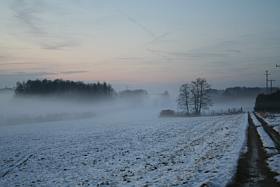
(252, 168)
(275, 137)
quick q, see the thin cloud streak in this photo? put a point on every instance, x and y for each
(137, 23)
(188, 54)
(73, 72)
(28, 14)
(59, 45)
(16, 63)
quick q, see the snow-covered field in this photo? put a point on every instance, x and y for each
(122, 151)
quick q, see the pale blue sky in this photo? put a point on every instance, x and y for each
(144, 43)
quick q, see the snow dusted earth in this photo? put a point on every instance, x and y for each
(273, 159)
(274, 121)
(121, 151)
(266, 140)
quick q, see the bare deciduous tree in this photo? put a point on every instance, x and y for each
(200, 94)
(196, 95)
(184, 98)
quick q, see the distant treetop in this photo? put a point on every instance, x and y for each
(133, 93)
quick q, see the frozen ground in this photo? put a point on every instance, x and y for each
(266, 140)
(121, 151)
(273, 159)
(274, 164)
(274, 121)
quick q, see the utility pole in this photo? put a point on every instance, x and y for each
(266, 80)
(271, 81)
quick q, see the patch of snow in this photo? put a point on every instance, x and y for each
(274, 164)
(274, 121)
(266, 140)
(256, 122)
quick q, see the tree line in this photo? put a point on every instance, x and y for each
(268, 102)
(244, 91)
(194, 96)
(59, 86)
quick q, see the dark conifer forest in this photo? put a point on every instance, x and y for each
(64, 87)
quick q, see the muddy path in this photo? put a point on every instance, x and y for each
(252, 170)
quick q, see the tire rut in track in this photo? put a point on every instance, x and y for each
(252, 169)
(17, 164)
(275, 137)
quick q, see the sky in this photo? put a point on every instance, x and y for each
(152, 44)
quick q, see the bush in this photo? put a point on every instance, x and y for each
(167, 113)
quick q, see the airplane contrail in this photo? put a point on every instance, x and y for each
(134, 21)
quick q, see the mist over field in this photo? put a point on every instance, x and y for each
(33, 109)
